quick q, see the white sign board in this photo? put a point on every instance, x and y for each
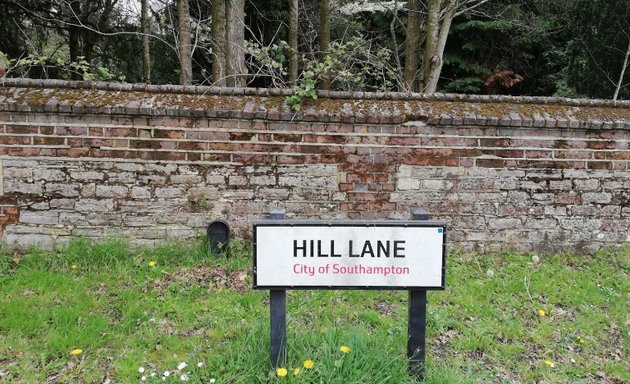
(350, 254)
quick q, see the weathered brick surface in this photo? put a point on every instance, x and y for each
(152, 163)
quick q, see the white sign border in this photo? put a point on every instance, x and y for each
(355, 224)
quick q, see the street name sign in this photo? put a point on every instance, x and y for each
(316, 254)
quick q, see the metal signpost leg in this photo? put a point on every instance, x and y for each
(278, 314)
(416, 344)
(417, 323)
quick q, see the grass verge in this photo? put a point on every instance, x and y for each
(503, 318)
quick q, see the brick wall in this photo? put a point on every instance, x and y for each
(158, 162)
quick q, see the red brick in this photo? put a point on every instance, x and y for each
(48, 140)
(73, 131)
(326, 159)
(241, 136)
(467, 163)
(253, 159)
(144, 144)
(73, 152)
(471, 152)
(538, 154)
(344, 187)
(214, 135)
(188, 145)
(407, 141)
(611, 144)
(599, 165)
(47, 130)
(93, 131)
(332, 139)
(145, 133)
(495, 142)
(504, 153)
(346, 128)
(551, 164)
(290, 159)
(572, 154)
(613, 155)
(217, 157)
(223, 146)
(168, 144)
(11, 211)
(287, 137)
(367, 168)
(15, 140)
(163, 155)
(21, 129)
(169, 134)
(119, 132)
(491, 163)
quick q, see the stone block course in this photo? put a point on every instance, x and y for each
(94, 205)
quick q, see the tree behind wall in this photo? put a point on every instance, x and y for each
(185, 51)
(412, 45)
(146, 30)
(228, 36)
(439, 15)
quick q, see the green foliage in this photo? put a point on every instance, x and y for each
(305, 88)
(354, 65)
(602, 31)
(469, 76)
(527, 38)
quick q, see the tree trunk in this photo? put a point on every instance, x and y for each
(433, 75)
(236, 69)
(219, 43)
(623, 72)
(324, 39)
(412, 45)
(74, 46)
(293, 41)
(146, 53)
(431, 41)
(185, 52)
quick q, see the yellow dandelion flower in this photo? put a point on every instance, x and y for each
(296, 372)
(76, 352)
(282, 372)
(74, 266)
(550, 363)
(308, 364)
(541, 313)
(151, 263)
(344, 349)
(580, 340)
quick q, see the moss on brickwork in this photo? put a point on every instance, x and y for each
(82, 97)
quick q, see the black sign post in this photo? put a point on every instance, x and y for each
(278, 314)
(417, 322)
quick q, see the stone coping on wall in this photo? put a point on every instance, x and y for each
(87, 97)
